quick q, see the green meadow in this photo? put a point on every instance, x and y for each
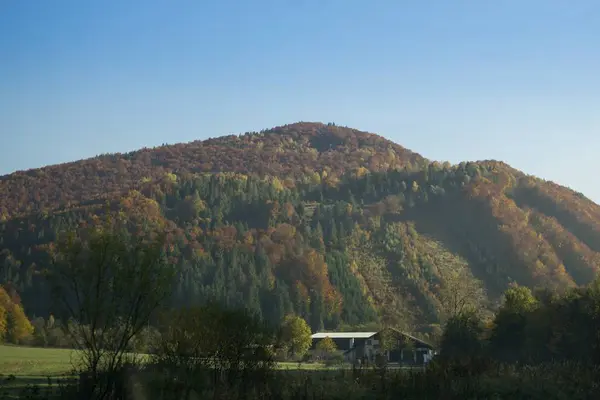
(25, 366)
(33, 361)
(43, 362)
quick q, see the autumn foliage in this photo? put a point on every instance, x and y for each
(14, 325)
(328, 223)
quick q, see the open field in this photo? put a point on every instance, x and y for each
(42, 362)
(23, 366)
(32, 361)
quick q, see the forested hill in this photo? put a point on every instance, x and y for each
(296, 151)
(340, 226)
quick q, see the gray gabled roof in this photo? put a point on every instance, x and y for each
(365, 335)
(420, 341)
(343, 335)
(416, 339)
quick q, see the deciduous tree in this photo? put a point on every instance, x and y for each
(326, 346)
(108, 283)
(460, 292)
(211, 345)
(14, 325)
(18, 326)
(295, 335)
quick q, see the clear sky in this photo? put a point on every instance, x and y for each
(515, 80)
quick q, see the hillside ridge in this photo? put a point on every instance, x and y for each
(340, 226)
(281, 151)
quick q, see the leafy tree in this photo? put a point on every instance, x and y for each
(508, 337)
(145, 340)
(295, 335)
(4, 305)
(462, 338)
(326, 347)
(519, 299)
(109, 283)
(18, 326)
(14, 325)
(388, 339)
(212, 345)
(460, 293)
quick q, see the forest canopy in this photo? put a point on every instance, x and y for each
(336, 226)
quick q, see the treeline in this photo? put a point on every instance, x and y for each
(112, 284)
(213, 351)
(246, 240)
(537, 345)
(374, 246)
(530, 328)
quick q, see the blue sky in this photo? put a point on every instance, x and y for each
(453, 80)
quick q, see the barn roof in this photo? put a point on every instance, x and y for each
(343, 335)
(366, 335)
(416, 339)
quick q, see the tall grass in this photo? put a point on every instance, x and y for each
(493, 381)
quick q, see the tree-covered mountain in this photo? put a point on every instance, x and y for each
(339, 226)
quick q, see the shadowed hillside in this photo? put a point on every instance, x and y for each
(339, 226)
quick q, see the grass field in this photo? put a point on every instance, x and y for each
(23, 366)
(32, 361)
(33, 366)
(40, 362)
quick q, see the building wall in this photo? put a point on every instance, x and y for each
(408, 356)
(342, 344)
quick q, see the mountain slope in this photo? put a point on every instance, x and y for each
(288, 151)
(339, 226)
